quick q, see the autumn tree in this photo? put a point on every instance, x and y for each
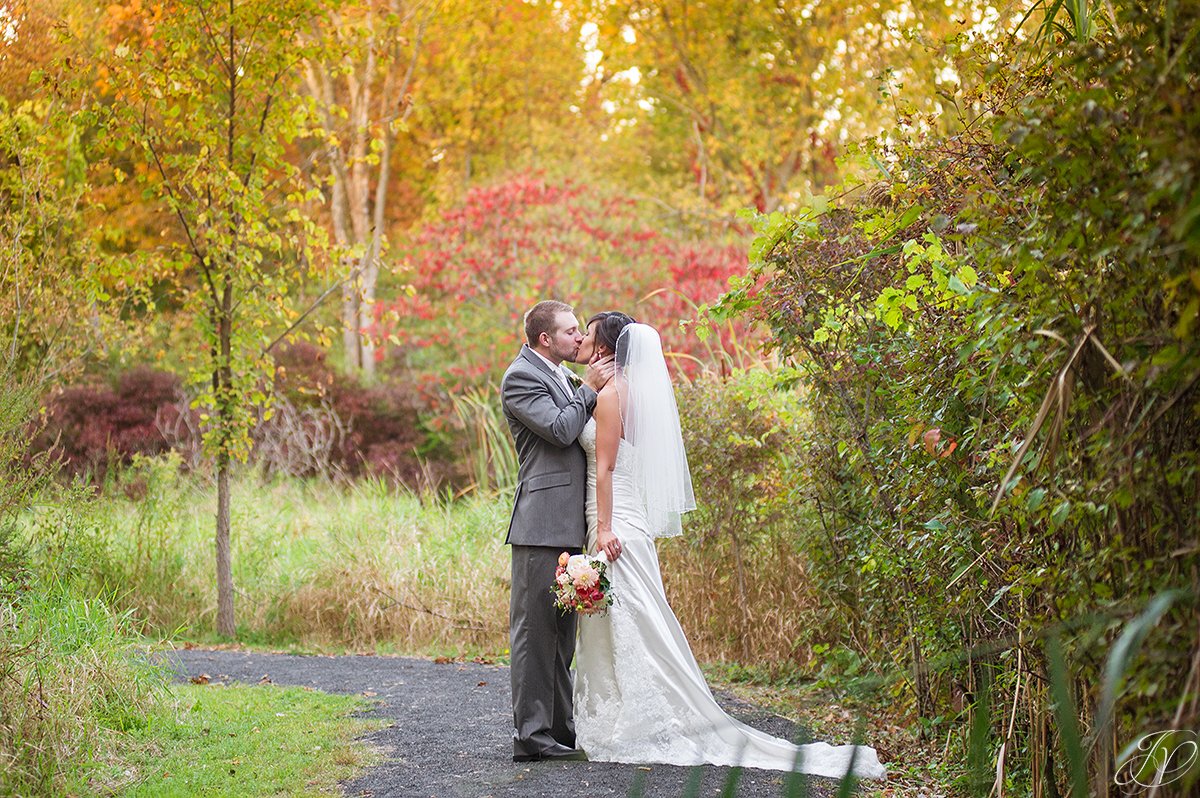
(750, 101)
(52, 285)
(51, 291)
(501, 92)
(206, 95)
(39, 45)
(360, 76)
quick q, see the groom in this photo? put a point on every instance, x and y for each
(546, 413)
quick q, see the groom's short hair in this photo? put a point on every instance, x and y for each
(541, 317)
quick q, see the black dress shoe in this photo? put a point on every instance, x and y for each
(555, 753)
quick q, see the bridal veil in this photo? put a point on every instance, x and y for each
(651, 421)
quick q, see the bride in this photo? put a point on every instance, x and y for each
(639, 696)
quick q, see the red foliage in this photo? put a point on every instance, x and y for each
(474, 272)
(87, 426)
(384, 430)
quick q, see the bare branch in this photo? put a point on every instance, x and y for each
(307, 312)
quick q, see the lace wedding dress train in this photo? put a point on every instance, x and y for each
(640, 696)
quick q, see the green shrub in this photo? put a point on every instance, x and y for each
(737, 578)
(999, 341)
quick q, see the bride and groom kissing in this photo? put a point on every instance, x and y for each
(603, 470)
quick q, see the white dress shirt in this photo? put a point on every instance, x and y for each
(558, 370)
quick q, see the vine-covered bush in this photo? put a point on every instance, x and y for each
(999, 332)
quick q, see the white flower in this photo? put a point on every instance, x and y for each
(578, 565)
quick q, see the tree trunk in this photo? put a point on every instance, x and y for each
(350, 322)
(223, 376)
(356, 219)
(226, 625)
(366, 320)
(226, 420)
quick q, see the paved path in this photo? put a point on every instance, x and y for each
(452, 738)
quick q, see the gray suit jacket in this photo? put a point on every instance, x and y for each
(545, 421)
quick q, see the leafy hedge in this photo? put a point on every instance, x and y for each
(999, 337)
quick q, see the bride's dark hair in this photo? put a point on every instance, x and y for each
(611, 324)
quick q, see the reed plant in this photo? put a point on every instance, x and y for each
(492, 455)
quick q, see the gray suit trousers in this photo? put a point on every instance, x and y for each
(542, 645)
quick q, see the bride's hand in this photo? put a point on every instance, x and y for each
(608, 543)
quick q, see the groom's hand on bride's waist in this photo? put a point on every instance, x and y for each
(599, 372)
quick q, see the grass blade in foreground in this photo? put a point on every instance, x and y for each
(1068, 719)
(729, 789)
(796, 785)
(850, 781)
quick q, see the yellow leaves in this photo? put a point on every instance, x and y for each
(968, 276)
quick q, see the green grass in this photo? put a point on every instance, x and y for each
(249, 741)
(337, 568)
(317, 565)
(84, 711)
(73, 679)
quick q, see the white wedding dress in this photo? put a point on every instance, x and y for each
(640, 697)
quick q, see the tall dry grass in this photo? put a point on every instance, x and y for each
(773, 619)
(364, 565)
(73, 675)
(371, 566)
(72, 679)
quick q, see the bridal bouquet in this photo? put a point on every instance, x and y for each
(581, 584)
